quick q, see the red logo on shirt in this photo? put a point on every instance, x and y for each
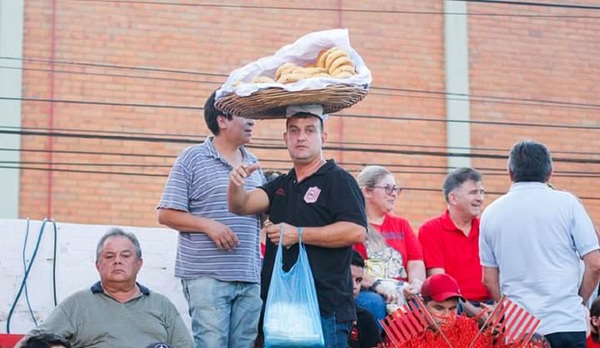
(280, 192)
(312, 194)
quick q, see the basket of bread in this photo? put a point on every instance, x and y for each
(319, 68)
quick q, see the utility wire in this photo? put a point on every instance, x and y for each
(441, 94)
(407, 188)
(111, 75)
(397, 118)
(348, 10)
(275, 147)
(416, 169)
(113, 66)
(534, 4)
(258, 140)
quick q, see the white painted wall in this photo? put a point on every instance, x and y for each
(75, 269)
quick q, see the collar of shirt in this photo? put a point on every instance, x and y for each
(97, 289)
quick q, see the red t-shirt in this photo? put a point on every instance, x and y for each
(591, 343)
(399, 235)
(447, 247)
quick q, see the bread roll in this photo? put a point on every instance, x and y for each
(343, 68)
(323, 56)
(309, 71)
(284, 69)
(332, 56)
(343, 75)
(292, 77)
(341, 61)
(262, 79)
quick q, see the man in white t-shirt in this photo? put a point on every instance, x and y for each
(531, 244)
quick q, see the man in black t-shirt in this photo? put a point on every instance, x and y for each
(323, 200)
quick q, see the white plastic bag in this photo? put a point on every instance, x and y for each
(303, 51)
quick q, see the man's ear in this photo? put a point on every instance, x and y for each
(324, 138)
(222, 121)
(452, 197)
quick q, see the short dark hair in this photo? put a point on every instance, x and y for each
(304, 115)
(45, 340)
(529, 161)
(457, 177)
(117, 232)
(211, 113)
(357, 259)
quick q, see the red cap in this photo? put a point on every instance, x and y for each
(440, 287)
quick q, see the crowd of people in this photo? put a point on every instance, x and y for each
(535, 245)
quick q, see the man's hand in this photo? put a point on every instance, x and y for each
(223, 237)
(290, 233)
(412, 289)
(240, 173)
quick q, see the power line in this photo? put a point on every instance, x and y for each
(113, 66)
(535, 4)
(277, 147)
(408, 188)
(111, 75)
(68, 101)
(257, 140)
(349, 10)
(397, 118)
(416, 169)
(476, 98)
(264, 160)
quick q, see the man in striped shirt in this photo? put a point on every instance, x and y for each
(218, 257)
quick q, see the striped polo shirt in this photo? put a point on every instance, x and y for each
(198, 184)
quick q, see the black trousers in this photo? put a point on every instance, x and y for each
(567, 339)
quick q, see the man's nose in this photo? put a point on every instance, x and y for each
(250, 122)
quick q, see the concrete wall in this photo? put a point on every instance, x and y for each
(75, 269)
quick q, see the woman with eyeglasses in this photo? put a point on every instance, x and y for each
(394, 263)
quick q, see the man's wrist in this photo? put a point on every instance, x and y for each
(375, 284)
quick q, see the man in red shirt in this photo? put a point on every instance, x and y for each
(451, 241)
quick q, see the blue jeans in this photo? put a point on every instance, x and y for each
(224, 314)
(335, 333)
(374, 303)
(567, 339)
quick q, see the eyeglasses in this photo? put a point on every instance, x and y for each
(390, 189)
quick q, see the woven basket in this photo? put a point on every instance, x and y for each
(271, 103)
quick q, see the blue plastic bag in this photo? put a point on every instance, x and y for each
(292, 317)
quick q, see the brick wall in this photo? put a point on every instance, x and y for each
(144, 70)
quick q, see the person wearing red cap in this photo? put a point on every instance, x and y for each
(441, 294)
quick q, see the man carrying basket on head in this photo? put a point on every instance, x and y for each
(325, 201)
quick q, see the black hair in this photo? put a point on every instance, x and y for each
(45, 340)
(457, 177)
(530, 161)
(304, 115)
(211, 113)
(357, 259)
